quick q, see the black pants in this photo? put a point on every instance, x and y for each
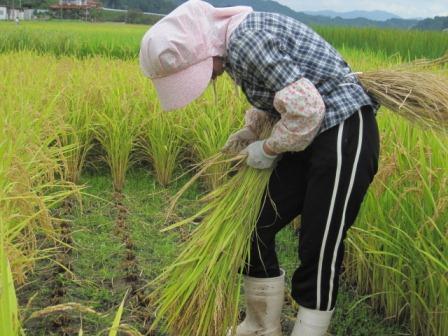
(325, 184)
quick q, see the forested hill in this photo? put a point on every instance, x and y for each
(164, 6)
(273, 6)
(438, 23)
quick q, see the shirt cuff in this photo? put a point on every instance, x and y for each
(302, 111)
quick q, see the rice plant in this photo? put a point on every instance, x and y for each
(77, 121)
(118, 123)
(396, 249)
(30, 168)
(215, 116)
(162, 142)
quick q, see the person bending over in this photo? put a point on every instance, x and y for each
(324, 143)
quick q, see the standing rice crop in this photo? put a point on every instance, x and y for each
(396, 251)
(118, 120)
(408, 44)
(76, 129)
(76, 39)
(81, 39)
(162, 143)
(30, 174)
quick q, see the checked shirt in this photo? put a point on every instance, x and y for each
(269, 51)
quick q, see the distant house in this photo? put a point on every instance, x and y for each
(3, 13)
(82, 7)
(76, 4)
(73, 2)
(20, 13)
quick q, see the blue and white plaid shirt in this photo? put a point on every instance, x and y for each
(269, 51)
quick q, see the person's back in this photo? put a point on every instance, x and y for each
(268, 41)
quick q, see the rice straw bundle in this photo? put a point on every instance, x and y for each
(199, 293)
(416, 91)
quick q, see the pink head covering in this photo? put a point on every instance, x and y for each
(177, 52)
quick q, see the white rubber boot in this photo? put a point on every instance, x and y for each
(264, 302)
(312, 322)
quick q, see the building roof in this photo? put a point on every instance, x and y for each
(88, 5)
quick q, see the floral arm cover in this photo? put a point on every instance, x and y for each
(302, 111)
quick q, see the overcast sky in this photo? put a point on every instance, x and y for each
(404, 8)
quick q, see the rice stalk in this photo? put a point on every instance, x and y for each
(9, 312)
(76, 124)
(212, 125)
(116, 323)
(162, 143)
(117, 129)
(198, 293)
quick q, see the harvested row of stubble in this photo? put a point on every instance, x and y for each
(62, 268)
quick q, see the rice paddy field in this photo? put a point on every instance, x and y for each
(89, 165)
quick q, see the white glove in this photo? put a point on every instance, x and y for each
(239, 140)
(257, 157)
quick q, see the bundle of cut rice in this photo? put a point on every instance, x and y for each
(199, 293)
(418, 91)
